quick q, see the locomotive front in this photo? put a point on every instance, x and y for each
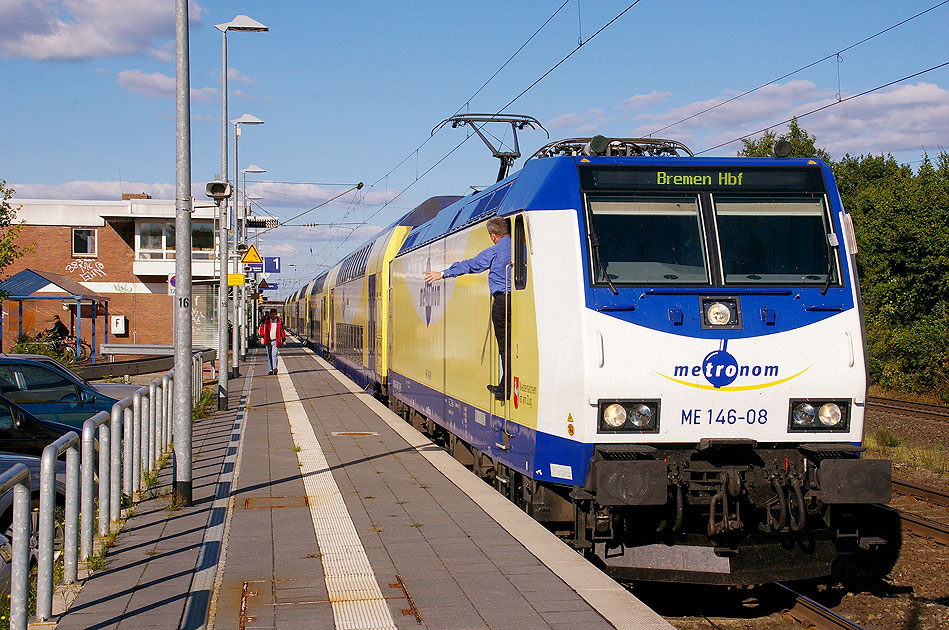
(727, 393)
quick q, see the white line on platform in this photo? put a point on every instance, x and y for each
(350, 581)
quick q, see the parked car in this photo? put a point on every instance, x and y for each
(50, 392)
(112, 390)
(22, 432)
(7, 461)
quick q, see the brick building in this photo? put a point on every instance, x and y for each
(123, 250)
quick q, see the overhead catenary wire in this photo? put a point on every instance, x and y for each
(319, 205)
(836, 102)
(419, 176)
(511, 102)
(801, 69)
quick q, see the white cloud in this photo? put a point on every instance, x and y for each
(900, 119)
(85, 29)
(589, 121)
(94, 190)
(164, 52)
(640, 101)
(302, 196)
(233, 74)
(158, 85)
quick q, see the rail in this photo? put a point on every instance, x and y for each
(128, 443)
(813, 615)
(925, 410)
(927, 493)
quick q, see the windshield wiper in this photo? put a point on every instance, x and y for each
(595, 248)
(832, 246)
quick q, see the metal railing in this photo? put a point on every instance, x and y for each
(128, 443)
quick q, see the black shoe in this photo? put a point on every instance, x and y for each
(497, 390)
(275, 370)
(270, 373)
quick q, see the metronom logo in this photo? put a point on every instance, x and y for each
(720, 369)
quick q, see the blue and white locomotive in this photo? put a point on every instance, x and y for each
(687, 355)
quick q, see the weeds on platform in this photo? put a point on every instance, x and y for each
(203, 405)
(58, 571)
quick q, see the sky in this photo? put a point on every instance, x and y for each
(351, 92)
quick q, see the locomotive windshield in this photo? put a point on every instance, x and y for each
(773, 240)
(648, 239)
(708, 225)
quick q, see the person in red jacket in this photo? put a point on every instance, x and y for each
(272, 335)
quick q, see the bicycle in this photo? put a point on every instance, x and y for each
(66, 346)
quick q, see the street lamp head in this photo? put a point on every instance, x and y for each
(247, 119)
(253, 168)
(242, 23)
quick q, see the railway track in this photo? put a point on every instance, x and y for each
(917, 524)
(810, 614)
(924, 410)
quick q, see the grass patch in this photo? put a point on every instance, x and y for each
(203, 406)
(885, 444)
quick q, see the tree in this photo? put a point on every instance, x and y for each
(11, 247)
(802, 144)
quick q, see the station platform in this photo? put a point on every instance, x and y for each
(317, 507)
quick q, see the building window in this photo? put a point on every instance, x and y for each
(202, 241)
(156, 240)
(84, 242)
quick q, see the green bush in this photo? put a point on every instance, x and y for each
(26, 344)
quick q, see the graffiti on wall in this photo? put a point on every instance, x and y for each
(87, 269)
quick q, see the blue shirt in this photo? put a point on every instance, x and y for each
(495, 259)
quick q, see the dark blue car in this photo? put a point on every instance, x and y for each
(50, 393)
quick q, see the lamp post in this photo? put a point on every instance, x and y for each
(238, 326)
(183, 206)
(239, 23)
(252, 318)
(245, 206)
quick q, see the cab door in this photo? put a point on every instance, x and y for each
(522, 407)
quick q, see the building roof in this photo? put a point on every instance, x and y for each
(28, 282)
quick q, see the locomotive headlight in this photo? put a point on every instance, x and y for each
(815, 414)
(628, 416)
(614, 416)
(830, 415)
(803, 414)
(641, 416)
(718, 314)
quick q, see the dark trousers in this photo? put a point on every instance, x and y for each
(501, 318)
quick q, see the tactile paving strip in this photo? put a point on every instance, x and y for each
(357, 602)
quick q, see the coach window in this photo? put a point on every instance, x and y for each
(520, 254)
(84, 242)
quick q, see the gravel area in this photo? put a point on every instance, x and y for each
(901, 585)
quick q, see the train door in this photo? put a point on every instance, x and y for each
(324, 326)
(520, 408)
(371, 326)
(330, 342)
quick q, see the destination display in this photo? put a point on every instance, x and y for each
(692, 179)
